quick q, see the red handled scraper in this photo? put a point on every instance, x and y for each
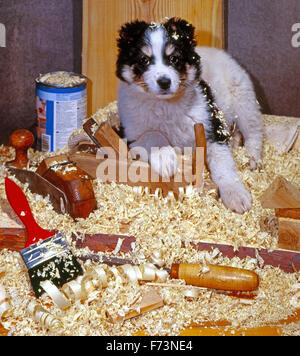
(46, 254)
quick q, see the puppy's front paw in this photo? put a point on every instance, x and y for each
(164, 161)
(236, 198)
(255, 164)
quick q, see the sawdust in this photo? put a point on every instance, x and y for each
(169, 227)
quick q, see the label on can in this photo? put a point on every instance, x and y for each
(60, 111)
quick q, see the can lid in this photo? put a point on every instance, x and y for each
(61, 79)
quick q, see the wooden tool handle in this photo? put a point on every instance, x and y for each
(20, 205)
(218, 277)
(200, 138)
(20, 140)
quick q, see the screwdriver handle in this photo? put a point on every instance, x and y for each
(217, 277)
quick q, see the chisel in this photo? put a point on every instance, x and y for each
(210, 276)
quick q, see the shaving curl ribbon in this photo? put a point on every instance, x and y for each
(41, 316)
(98, 278)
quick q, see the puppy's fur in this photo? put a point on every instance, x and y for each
(164, 84)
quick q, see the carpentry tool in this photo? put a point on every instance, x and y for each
(68, 187)
(209, 276)
(39, 185)
(74, 182)
(21, 141)
(137, 173)
(46, 255)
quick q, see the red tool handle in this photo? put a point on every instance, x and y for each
(19, 203)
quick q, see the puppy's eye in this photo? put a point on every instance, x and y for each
(145, 60)
(174, 59)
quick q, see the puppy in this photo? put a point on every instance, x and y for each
(167, 84)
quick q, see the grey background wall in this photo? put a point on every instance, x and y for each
(45, 35)
(41, 36)
(259, 35)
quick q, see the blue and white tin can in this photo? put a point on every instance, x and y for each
(61, 105)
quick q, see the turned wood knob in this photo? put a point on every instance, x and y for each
(21, 141)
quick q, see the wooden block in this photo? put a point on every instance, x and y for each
(288, 213)
(49, 162)
(151, 300)
(105, 242)
(289, 234)
(281, 195)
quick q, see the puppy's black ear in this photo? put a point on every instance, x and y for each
(180, 30)
(131, 32)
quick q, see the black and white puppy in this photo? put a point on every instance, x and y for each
(167, 84)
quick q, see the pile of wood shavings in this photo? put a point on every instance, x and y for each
(159, 224)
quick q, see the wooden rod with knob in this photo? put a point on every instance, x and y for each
(21, 141)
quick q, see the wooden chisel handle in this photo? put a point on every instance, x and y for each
(218, 277)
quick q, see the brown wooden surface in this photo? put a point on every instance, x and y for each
(20, 140)
(288, 213)
(217, 277)
(13, 238)
(3, 331)
(50, 161)
(105, 242)
(133, 173)
(288, 261)
(106, 137)
(77, 187)
(281, 194)
(289, 234)
(103, 19)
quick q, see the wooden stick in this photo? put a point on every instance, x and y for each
(277, 258)
(151, 300)
(105, 242)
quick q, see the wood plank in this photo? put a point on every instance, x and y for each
(288, 261)
(103, 19)
(289, 234)
(288, 213)
(104, 242)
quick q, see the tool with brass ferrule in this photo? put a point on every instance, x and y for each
(222, 278)
(46, 254)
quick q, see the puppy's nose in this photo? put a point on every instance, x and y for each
(164, 82)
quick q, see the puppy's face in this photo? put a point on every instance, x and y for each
(158, 59)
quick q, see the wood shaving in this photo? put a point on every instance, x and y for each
(170, 227)
(61, 79)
